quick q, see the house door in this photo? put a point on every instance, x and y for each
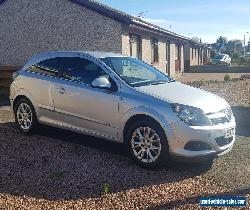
(177, 58)
(168, 57)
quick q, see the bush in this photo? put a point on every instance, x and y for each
(226, 77)
(105, 189)
(236, 56)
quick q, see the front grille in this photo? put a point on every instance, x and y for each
(197, 146)
(222, 141)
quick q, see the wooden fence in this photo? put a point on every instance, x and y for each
(6, 78)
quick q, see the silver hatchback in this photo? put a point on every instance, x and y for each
(123, 99)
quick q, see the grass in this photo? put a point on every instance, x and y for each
(106, 189)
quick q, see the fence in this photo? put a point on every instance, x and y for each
(6, 78)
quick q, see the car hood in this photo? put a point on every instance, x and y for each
(176, 92)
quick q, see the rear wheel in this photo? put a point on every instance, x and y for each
(25, 116)
(147, 143)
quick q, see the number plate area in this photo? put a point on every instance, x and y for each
(229, 133)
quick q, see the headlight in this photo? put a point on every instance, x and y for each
(191, 115)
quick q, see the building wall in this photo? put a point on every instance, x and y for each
(146, 46)
(28, 27)
(146, 49)
(172, 58)
(194, 55)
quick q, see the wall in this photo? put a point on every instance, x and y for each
(146, 46)
(28, 27)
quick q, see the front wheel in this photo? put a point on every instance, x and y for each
(25, 116)
(147, 143)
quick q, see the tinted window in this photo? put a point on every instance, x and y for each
(80, 69)
(72, 68)
(48, 67)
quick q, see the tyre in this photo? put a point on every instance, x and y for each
(147, 143)
(25, 116)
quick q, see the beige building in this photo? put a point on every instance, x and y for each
(195, 54)
(47, 25)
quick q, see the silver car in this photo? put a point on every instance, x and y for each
(123, 99)
(222, 59)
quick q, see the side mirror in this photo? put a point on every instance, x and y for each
(101, 82)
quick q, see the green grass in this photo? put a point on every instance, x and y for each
(106, 189)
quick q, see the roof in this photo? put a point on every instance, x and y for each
(126, 18)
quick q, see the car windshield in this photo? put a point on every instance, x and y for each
(135, 72)
(219, 56)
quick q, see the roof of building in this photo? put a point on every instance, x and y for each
(126, 18)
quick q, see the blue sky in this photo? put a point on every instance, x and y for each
(202, 18)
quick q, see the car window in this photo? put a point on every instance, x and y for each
(135, 72)
(81, 70)
(72, 68)
(47, 67)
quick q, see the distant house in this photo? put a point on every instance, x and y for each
(195, 54)
(29, 27)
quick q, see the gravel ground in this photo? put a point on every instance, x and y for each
(235, 93)
(57, 169)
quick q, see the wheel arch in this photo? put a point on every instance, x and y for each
(138, 117)
(145, 113)
(19, 97)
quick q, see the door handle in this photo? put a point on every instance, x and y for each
(61, 90)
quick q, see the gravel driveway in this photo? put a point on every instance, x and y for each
(63, 170)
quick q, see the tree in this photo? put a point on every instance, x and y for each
(196, 39)
(234, 46)
(221, 43)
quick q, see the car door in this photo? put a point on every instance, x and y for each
(82, 106)
(45, 73)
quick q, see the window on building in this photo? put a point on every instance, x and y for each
(135, 45)
(154, 50)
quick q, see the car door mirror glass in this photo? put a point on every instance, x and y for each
(101, 82)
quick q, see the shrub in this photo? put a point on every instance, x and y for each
(106, 189)
(226, 77)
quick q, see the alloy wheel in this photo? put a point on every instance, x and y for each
(24, 116)
(146, 144)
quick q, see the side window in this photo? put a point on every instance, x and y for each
(81, 70)
(47, 67)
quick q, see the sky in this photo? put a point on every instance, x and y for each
(206, 19)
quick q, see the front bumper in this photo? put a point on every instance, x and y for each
(207, 135)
